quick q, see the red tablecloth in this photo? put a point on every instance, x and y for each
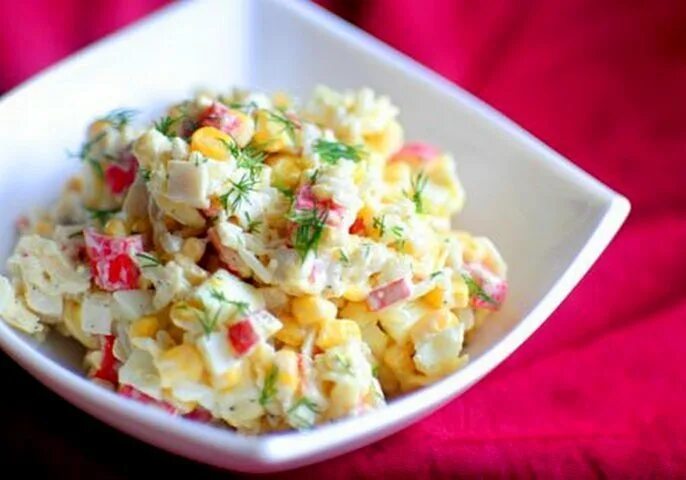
(599, 389)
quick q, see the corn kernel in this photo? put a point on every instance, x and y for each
(281, 100)
(337, 332)
(356, 293)
(398, 172)
(432, 323)
(193, 248)
(291, 333)
(44, 228)
(460, 292)
(115, 228)
(229, 379)
(398, 358)
(75, 184)
(435, 298)
(144, 327)
(310, 310)
(141, 225)
(285, 170)
(286, 361)
(359, 311)
(210, 142)
(182, 362)
(387, 141)
(273, 131)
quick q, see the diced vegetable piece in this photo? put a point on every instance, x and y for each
(200, 414)
(110, 258)
(487, 290)
(242, 336)
(305, 200)
(357, 228)
(134, 394)
(120, 175)
(389, 294)
(187, 183)
(229, 256)
(234, 122)
(211, 142)
(108, 364)
(416, 152)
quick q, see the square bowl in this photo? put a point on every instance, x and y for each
(550, 219)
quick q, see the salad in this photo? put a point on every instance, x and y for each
(255, 262)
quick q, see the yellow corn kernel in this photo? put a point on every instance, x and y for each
(375, 338)
(144, 327)
(337, 332)
(432, 323)
(398, 172)
(291, 333)
(460, 292)
(211, 142)
(97, 127)
(182, 362)
(75, 184)
(311, 310)
(229, 379)
(386, 141)
(194, 248)
(285, 170)
(356, 293)
(286, 361)
(44, 228)
(435, 298)
(398, 358)
(115, 228)
(273, 131)
(281, 100)
(242, 127)
(359, 311)
(141, 225)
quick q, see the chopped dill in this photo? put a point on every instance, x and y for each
(331, 152)
(269, 388)
(309, 229)
(150, 260)
(120, 117)
(165, 124)
(379, 223)
(239, 192)
(418, 185)
(102, 215)
(288, 125)
(475, 290)
(253, 226)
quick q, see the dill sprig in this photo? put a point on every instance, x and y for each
(269, 388)
(476, 290)
(300, 420)
(85, 154)
(287, 125)
(151, 261)
(253, 226)
(379, 223)
(286, 192)
(249, 157)
(145, 173)
(102, 215)
(399, 233)
(332, 152)
(165, 124)
(247, 107)
(242, 308)
(418, 184)
(344, 364)
(239, 192)
(209, 324)
(345, 260)
(120, 117)
(309, 229)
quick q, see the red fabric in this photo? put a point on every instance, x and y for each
(598, 390)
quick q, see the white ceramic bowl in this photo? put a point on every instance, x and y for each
(550, 219)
